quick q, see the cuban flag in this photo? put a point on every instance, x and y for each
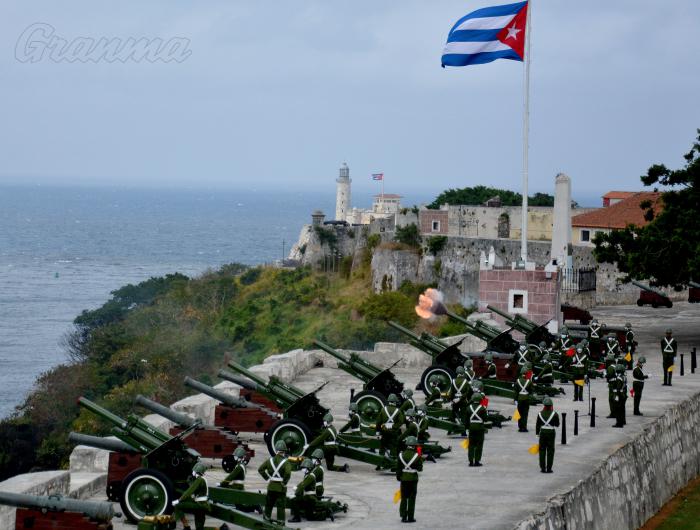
(377, 176)
(486, 35)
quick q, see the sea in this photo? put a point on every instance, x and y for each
(65, 249)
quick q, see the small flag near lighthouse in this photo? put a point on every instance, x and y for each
(377, 176)
(487, 34)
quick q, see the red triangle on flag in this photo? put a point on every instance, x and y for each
(513, 34)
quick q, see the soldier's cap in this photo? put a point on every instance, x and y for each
(411, 441)
(199, 468)
(594, 321)
(547, 402)
(669, 331)
(460, 370)
(407, 392)
(468, 363)
(393, 398)
(542, 344)
(307, 464)
(584, 341)
(579, 349)
(620, 368)
(477, 385)
(476, 398)
(524, 370)
(422, 408)
(564, 329)
(411, 412)
(328, 417)
(488, 357)
(317, 454)
(641, 360)
(353, 407)
(239, 453)
(545, 357)
(281, 446)
(628, 325)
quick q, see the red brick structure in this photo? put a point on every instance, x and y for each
(243, 419)
(532, 294)
(120, 465)
(212, 442)
(36, 520)
(433, 222)
(257, 397)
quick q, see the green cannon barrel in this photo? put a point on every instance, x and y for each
(694, 285)
(100, 511)
(424, 341)
(353, 364)
(273, 386)
(223, 397)
(101, 442)
(130, 431)
(178, 418)
(518, 322)
(239, 380)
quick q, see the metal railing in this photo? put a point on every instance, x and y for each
(578, 280)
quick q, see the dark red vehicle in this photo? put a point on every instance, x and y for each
(571, 312)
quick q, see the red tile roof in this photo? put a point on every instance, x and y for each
(389, 196)
(620, 214)
(618, 194)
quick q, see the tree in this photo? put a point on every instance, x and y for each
(480, 194)
(666, 251)
(408, 235)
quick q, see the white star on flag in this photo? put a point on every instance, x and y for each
(513, 32)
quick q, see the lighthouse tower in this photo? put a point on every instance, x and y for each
(342, 194)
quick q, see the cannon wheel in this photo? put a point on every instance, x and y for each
(228, 463)
(369, 405)
(443, 373)
(294, 433)
(146, 492)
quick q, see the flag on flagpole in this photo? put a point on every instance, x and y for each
(465, 444)
(534, 449)
(377, 176)
(628, 357)
(397, 496)
(516, 415)
(487, 34)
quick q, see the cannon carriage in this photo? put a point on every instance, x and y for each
(650, 296)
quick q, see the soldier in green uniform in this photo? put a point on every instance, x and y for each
(610, 375)
(630, 344)
(477, 419)
(408, 401)
(638, 378)
(195, 498)
(469, 372)
(435, 397)
(547, 422)
(523, 387)
(669, 348)
(354, 424)
(326, 440)
(276, 471)
(460, 392)
(236, 479)
(619, 389)
(389, 425)
(423, 423)
(310, 490)
(579, 364)
(410, 464)
(491, 370)
(522, 357)
(411, 427)
(612, 347)
(545, 375)
(594, 335)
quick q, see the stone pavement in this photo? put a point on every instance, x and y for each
(509, 487)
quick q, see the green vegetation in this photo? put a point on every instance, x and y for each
(147, 337)
(480, 194)
(408, 235)
(436, 243)
(685, 510)
(667, 250)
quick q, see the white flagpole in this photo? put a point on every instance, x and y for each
(526, 130)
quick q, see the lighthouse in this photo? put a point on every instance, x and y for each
(342, 194)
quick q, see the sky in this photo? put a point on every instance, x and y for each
(276, 95)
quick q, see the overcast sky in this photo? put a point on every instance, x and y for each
(278, 94)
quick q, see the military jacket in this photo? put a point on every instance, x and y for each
(390, 419)
(477, 416)
(277, 471)
(198, 491)
(236, 479)
(523, 387)
(669, 348)
(547, 421)
(638, 375)
(353, 426)
(409, 465)
(326, 439)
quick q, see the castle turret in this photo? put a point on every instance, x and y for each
(342, 194)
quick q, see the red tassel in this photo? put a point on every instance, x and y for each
(570, 352)
(632, 392)
(419, 450)
(484, 402)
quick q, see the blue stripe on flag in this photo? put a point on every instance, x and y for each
(473, 35)
(478, 58)
(493, 11)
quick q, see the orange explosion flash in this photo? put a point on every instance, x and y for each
(430, 304)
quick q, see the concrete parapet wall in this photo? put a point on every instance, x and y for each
(635, 481)
(42, 483)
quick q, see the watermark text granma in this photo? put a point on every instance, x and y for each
(40, 42)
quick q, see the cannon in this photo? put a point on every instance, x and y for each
(302, 418)
(166, 465)
(235, 414)
(96, 511)
(534, 333)
(693, 292)
(650, 296)
(207, 440)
